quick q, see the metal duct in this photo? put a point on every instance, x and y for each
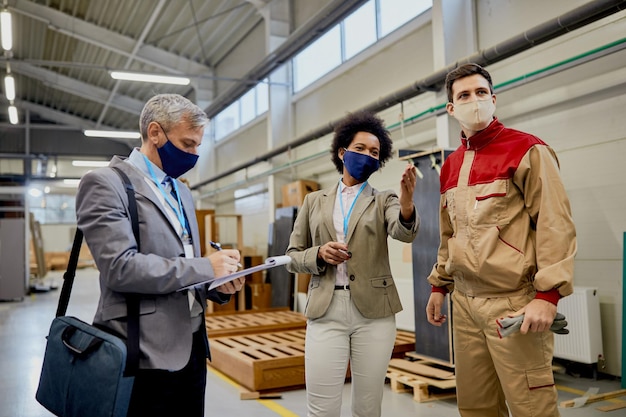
(537, 35)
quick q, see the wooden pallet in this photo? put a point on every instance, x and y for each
(428, 381)
(405, 342)
(252, 321)
(262, 361)
(271, 360)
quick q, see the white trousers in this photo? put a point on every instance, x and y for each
(343, 335)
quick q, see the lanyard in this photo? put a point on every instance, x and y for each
(179, 211)
(347, 218)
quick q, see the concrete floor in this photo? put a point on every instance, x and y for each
(24, 325)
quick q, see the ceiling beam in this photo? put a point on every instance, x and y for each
(76, 123)
(76, 87)
(107, 39)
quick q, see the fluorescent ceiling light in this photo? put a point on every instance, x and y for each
(5, 30)
(112, 134)
(35, 192)
(13, 115)
(149, 78)
(9, 87)
(92, 164)
(71, 183)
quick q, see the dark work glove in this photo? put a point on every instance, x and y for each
(509, 325)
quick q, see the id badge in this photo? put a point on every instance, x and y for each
(187, 246)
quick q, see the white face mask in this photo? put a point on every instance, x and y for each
(475, 115)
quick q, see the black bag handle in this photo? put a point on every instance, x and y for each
(132, 300)
(81, 353)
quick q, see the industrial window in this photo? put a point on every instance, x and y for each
(360, 30)
(319, 58)
(251, 105)
(364, 27)
(395, 13)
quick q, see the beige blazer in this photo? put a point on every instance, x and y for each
(375, 216)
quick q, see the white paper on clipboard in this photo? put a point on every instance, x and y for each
(270, 262)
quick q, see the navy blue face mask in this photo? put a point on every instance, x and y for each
(360, 165)
(175, 161)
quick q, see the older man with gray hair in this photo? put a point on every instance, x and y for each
(171, 377)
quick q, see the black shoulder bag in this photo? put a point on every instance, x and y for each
(87, 371)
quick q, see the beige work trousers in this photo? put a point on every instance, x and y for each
(343, 335)
(492, 373)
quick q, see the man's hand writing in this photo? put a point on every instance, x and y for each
(224, 262)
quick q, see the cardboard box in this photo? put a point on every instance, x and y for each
(294, 192)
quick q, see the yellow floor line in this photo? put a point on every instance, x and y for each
(272, 405)
(277, 408)
(570, 390)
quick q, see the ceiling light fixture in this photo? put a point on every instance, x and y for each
(13, 115)
(91, 164)
(116, 134)
(149, 78)
(5, 30)
(9, 87)
(71, 182)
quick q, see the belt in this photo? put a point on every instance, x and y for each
(342, 287)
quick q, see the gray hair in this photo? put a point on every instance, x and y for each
(168, 110)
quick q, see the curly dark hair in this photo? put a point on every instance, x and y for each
(361, 121)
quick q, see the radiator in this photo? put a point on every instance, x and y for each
(584, 342)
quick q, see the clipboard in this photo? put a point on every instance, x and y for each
(271, 262)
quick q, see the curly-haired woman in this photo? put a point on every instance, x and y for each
(340, 238)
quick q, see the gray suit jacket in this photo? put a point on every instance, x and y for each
(156, 272)
(375, 216)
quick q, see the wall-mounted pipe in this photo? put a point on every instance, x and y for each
(523, 79)
(574, 19)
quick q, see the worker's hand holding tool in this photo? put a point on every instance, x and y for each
(509, 325)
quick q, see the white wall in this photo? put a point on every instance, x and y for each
(578, 111)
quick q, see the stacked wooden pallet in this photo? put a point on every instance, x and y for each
(427, 380)
(250, 321)
(268, 355)
(261, 361)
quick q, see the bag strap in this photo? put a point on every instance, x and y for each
(70, 273)
(132, 300)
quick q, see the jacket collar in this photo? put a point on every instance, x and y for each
(142, 188)
(330, 198)
(483, 137)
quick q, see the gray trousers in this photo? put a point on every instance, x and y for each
(343, 335)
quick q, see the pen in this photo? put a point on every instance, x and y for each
(218, 246)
